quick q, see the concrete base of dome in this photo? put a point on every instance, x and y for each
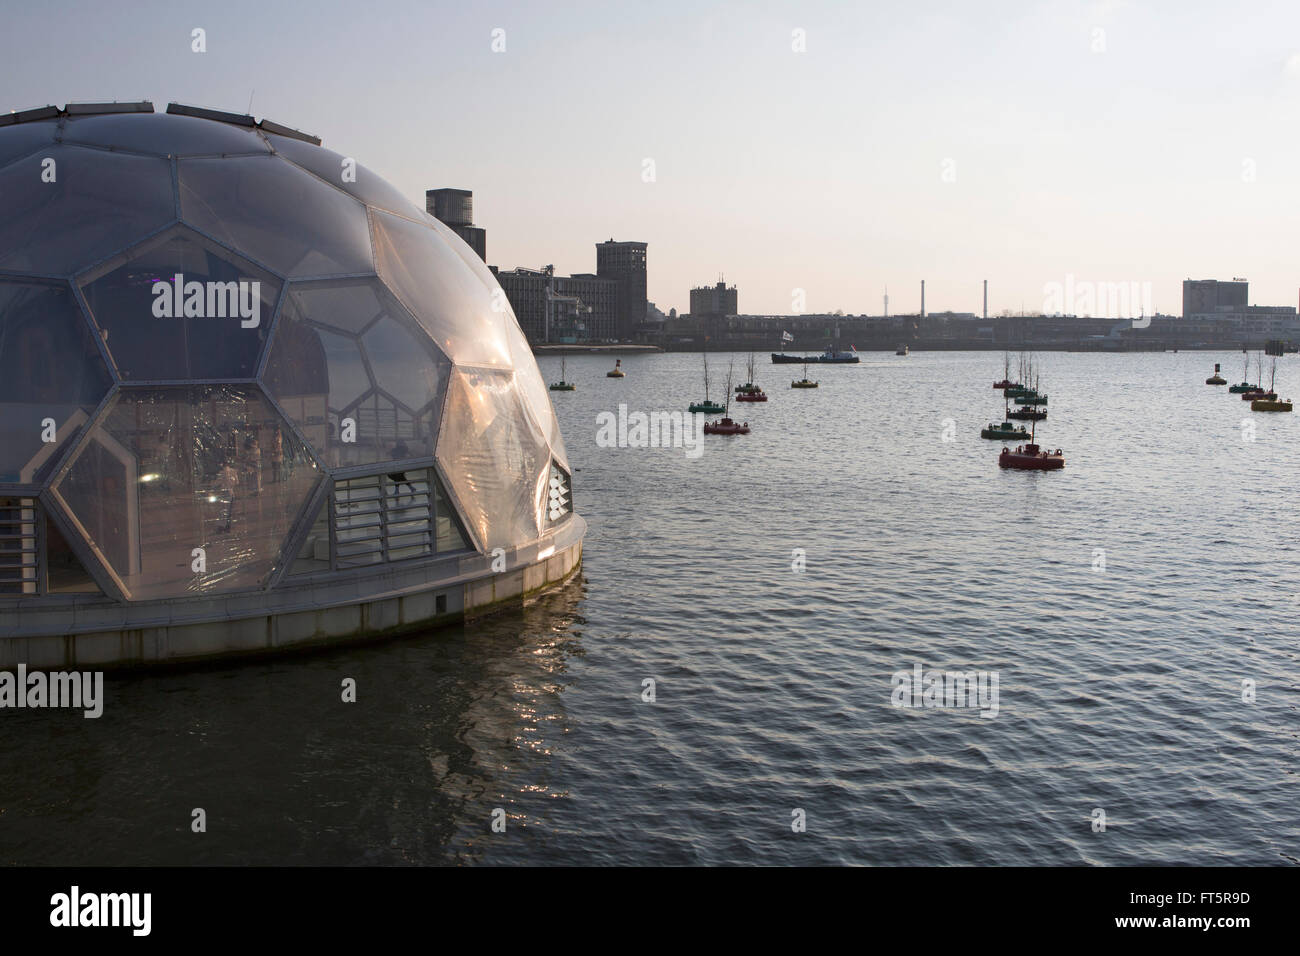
(322, 612)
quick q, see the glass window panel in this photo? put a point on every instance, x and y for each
(348, 379)
(163, 134)
(441, 291)
(51, 378)
(168, 470)
(450, 535)
(328, 165)
(320, 377)
(348, 305)
(64, 572)
(314, 555)
(221, 343)
(25, 138)
(98, 203)
(494, 457)
(403, 366)
(275, 213)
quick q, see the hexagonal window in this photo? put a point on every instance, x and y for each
(363, 396)
(276, 214)
(330, 166)
(66, 208)
(51, 378)
(444, 294)
(495, 459)
(170, 470)
(181, 307)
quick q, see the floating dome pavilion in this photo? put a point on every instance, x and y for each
(251, 397)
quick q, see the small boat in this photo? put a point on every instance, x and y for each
(1006, 373)
(1258, 394)
(1216, 378)
(1270, 405)
(1244, 386)
(1005, 431)
(1028, 414)
(749, 392)
(1269, 402)
(902, 350)
(1031, 398)
(562, 385)
(706, 406)
(804, 382)
(724, 425)
(617, 370)
(831, 356)
(1030, 457)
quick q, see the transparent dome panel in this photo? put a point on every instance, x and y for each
(404, 366)
(359, 397)
(537, 397)
(276, 214)
(180, 307)
(351, 177)
(171, 470)
(25, 138)
(467, 255)
(61, 218)
(446, 296)
(495, 459)
(51, 379)
(163, 134)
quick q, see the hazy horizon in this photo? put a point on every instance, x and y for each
(936, 142)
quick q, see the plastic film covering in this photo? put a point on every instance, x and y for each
(532, 386)
(446, 298)
(495, 459)
(349, 367)
(66, 208)
(25, 138)
(171, 470)
(346, 174)
(163, 134)
(208, 324)
(277, 214)
(51, 379)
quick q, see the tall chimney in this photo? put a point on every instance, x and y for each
(986, 298)
(923, 298)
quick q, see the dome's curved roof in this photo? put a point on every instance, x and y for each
(253, 277)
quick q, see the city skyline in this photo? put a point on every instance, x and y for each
(1104, 142)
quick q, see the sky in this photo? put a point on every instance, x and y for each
(833, 148)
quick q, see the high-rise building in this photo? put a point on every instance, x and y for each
(1207, 296)
(717, 299)
(455, 208)
(625, 263)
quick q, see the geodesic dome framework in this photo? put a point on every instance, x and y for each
(229, 356)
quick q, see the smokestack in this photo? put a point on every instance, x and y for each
(923, 298)
(986, 298)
